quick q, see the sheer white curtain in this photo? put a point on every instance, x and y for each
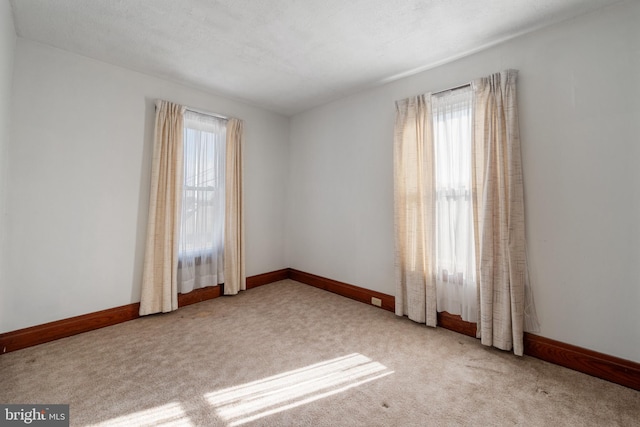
(201, 249)
(456, 286)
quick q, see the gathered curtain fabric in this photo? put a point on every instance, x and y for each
(504, 295)
(234, 258)
(493, 204)
(414, 211)
(159, 278)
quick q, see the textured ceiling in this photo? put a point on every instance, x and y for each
(284, 55)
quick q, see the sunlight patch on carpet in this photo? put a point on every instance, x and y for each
(170, 414)
(248, 402)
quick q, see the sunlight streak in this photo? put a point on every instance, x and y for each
(170, 414)
(257, 399)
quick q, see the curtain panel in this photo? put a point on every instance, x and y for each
(414, 211)
(503, 290)
(159, 278)
(234, 252)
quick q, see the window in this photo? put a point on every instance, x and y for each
(454, 242)
(201, 244)
(459, 210)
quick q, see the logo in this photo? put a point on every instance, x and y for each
(35, 415)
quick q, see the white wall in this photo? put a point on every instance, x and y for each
(78, 183)
(7, 52)
(579, 97)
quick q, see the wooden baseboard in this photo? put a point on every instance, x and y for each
(266, 278)
(445, 320)
(199, 295)
(610, 368)
(344, 289)
(455, 323)
(616, 370)
(39, 334)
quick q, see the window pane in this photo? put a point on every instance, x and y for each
(203, 198)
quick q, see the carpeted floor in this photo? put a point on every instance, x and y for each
(287, 354)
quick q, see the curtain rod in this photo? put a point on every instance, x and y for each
(451, 89)
(206, 113)
(193, 110)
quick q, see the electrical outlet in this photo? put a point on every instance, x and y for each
(376, 301)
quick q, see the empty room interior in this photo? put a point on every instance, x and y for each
(337, 297)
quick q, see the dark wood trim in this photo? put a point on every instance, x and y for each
(346, 290)
(455, 323)
(610, 368)
(600, 365)
(39, 334)
(266, 278)
(199, 295)
(445, 320)
(27, 337)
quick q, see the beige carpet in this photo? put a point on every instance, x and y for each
(287, 354)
